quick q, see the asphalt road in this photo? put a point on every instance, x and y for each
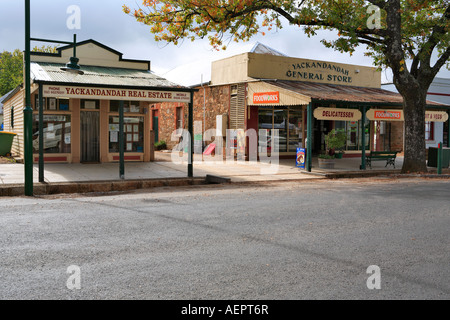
(290, 240)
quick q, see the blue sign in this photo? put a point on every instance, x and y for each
(301, 158)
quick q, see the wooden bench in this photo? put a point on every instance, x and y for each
(389, 156)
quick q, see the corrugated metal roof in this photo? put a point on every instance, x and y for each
(331, 92)
(51, 72)
(9, 95)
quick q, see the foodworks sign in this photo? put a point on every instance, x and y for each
(397, 115)
(266, 97)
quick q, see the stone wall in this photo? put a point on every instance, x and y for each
(397, 136)
(208, 103)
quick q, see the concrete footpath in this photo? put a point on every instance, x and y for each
(171, 170)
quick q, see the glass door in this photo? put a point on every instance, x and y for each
(90, 136)
(280, 123)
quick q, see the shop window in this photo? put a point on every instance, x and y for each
(133, 134)
(128, 106)
(429, 130)
(288, 122)
(90, 104)
(52, 104)
(352, 130)
(57, 134)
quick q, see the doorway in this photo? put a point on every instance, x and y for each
(90, 136)
(155, 125)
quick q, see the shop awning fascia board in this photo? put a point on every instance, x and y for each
(94, 85)
(328, 91)
(354, 104)
(287, 97)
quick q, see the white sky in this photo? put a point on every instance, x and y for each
(104, 21)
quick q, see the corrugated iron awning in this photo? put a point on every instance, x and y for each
(346, 94)
(286, 97)
(101, 76)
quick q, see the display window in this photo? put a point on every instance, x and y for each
(128, 106)
(90, 104)
(133, 129)
(52, 104)
(57, 134)
(352, 130)
(287, 121)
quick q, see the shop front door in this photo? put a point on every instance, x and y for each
(90, 136)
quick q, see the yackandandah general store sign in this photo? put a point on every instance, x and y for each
(319, 71)
(115, 94)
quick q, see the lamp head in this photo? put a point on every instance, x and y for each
(73, 67)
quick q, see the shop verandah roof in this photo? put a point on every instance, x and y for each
(345, 94)
(45, 72)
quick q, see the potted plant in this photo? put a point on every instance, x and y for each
(334, 141)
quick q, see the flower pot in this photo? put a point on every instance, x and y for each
(338, 155)
(326, 163)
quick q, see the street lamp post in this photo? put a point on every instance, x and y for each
(71, 67)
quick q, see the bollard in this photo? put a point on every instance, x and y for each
(439, 159)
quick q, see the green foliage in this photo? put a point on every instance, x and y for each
(160, 145)
(11, 70)
(326, 156)
(335, 139)
(423, 25)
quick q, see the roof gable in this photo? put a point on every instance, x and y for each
(91, 53)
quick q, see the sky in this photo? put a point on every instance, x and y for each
(105, 22)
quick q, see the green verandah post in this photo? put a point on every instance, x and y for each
(363, 138)
(27, 111)
(191, 137)
(309, 121)
(121, 142)
(41, 134)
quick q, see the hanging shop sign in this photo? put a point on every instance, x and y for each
(436, 116)
(397, 115)
(337, 114)
(266, 97)
(386, 115)
(115, 94)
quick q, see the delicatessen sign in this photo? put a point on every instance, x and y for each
(115, 94)
(337, 114)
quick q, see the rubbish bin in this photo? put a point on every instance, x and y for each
(6, 139)
(432, 157)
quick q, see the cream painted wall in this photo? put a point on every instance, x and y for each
(90, 54)
(248, 66)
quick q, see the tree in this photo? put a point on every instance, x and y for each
(11, 65)
(403, 35)
(11, 68)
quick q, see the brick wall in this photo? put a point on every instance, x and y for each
(397, 136)
(216, 102)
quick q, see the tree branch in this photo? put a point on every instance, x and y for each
(441, 61)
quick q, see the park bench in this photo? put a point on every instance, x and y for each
(389, 156)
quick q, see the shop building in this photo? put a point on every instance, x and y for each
(436, 132)
(265, 90)
(80, 114)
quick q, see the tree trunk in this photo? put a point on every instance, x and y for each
(414, 102)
